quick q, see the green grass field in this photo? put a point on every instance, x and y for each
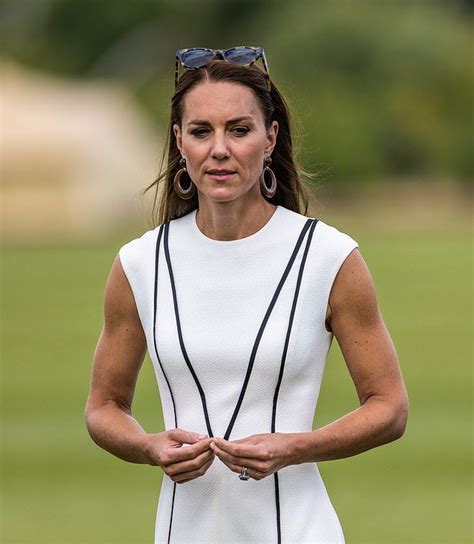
(59, 487)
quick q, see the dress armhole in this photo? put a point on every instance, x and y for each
(326, 322)
(350, 245)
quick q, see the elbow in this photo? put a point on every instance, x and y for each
(91, 418)
(88, 419)
(400, 418)
(92, 421)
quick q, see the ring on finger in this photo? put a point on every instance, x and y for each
(243, 474)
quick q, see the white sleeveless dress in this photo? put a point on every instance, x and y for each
(235, 331)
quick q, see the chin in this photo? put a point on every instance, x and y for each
(221, 195)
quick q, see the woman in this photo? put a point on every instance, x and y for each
(237, 296)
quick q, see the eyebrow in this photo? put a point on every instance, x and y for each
(234, 120)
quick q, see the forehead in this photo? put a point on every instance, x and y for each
(219, 101)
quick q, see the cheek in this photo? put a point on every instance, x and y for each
(255, 163)
(197, 157)
(253, 156)
(193, 150)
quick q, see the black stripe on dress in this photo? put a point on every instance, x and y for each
(263, 325)
(180, 335)
(155, 295)
(282, 366)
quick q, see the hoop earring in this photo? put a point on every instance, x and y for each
(269, 192)
(188, 193)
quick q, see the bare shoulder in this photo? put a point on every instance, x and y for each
(353, 294)
(119, 303)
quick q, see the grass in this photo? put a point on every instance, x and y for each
(58, 487)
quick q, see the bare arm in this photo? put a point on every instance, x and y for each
(117, 361)
(372, 362)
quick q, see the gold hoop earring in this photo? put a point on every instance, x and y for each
(188, 193)
(269, 192)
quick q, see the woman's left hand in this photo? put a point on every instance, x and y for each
(262, 454)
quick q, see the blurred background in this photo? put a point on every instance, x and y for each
(382, 97)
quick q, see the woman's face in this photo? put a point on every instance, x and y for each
(211, 137)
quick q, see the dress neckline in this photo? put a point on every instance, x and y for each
(240, 241)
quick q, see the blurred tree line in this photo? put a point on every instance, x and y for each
(381, 88)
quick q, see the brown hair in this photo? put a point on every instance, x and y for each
(291, 193)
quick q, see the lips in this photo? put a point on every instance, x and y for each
(220, 175)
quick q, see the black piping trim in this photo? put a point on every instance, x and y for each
(290, 323)
(155, 294)
(172, 511)
(180, 335)
(263, 325)
(277, 502)
(282, 366)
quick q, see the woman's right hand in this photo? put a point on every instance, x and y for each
(180, 463)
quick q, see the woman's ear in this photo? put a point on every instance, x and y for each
(177, 134)
(271, 138)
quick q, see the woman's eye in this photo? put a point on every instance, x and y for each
(241, 131)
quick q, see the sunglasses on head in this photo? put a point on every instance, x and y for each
(196, 57)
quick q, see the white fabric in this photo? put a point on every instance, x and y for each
(223, 291)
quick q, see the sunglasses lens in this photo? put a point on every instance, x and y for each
(241, 56)
(197, 57)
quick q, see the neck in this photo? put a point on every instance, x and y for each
(233, 220)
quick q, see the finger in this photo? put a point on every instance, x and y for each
(185, 453)
(184, 437)
(240, 450)
(255, 474)
(190, 475)
(255, 464)
(193, 464)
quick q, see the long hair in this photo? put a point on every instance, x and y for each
(292, 191)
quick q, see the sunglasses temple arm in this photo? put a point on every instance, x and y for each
(265, 63)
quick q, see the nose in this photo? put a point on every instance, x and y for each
(219, 149)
